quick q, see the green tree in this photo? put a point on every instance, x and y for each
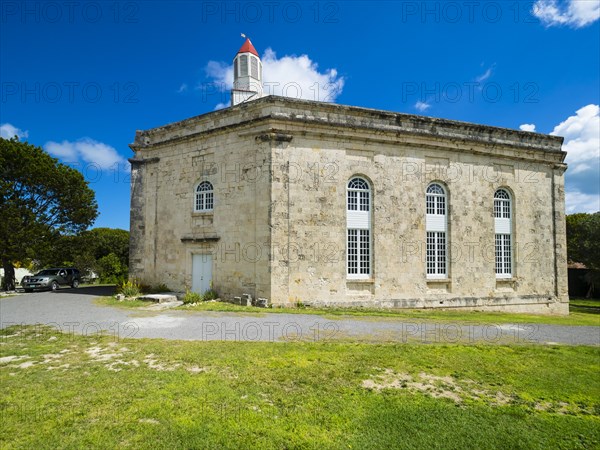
(87, 249)
(40, 199)
(110, 268)
(583, 244)
(100, 249)
(104, 241)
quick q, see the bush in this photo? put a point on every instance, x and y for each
(194, 297)
(129, 288)
(112, 279)
(211, 294)
(191, 297)
(110, 268)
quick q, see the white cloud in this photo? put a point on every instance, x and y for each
(582, 144)
(222, 74)
(289, 76)
(485, 75)
(89, 151)
(422, 106)
(527, 127)
(182, 88)
(8, 131)
(221, 106)
(299, 77)
(582, 139)
(574, 13)
(65, 151)
(577, 202)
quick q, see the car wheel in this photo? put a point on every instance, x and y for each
(54, 286)
(75, 284)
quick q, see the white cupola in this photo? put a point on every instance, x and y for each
(247, 75)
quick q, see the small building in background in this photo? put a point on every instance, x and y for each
(581, 284)
(19, 274)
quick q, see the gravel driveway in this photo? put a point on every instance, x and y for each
(73, 310)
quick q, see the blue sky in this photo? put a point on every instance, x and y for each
(78, 78)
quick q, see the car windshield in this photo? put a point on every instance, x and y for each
(48, 272)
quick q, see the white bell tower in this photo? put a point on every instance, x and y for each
(247, 75)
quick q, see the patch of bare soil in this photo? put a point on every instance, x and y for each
(461, 390)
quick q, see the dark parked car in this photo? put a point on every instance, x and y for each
(52, 279)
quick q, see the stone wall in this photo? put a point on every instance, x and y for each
(399, 175)
(278, 230)
(166, 231)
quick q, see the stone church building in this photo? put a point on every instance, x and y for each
(324, 204)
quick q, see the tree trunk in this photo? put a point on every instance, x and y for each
(8, 282)
(590, 278)
(590, 292)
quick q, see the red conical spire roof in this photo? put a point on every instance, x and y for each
(248, 48)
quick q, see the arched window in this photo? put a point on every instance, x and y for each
(503, 233)
(436, 227)
(358, 225)
(204, 197)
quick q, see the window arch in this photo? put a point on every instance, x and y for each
(436, 225)
(358, 226)
(358, 195)
(204, 197)
(503, 233)
(502, 204)
(436, 199)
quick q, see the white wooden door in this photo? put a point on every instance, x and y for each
(201, 273)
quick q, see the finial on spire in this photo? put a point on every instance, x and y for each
(243, 35)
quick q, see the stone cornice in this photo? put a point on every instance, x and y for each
(353, 122)
(137, 161)
(200, 238)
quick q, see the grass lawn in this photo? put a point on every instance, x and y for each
(585, 305)
(71, 391)
(127, 304)
(578, 315)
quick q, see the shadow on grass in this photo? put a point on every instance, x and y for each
(584, 309)
(584, 305)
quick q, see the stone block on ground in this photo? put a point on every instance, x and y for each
(247, 300)
(159, 298)
(262, 302)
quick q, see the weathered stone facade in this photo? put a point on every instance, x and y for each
(280, 167)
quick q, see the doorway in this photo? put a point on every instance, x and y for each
(201, 273)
